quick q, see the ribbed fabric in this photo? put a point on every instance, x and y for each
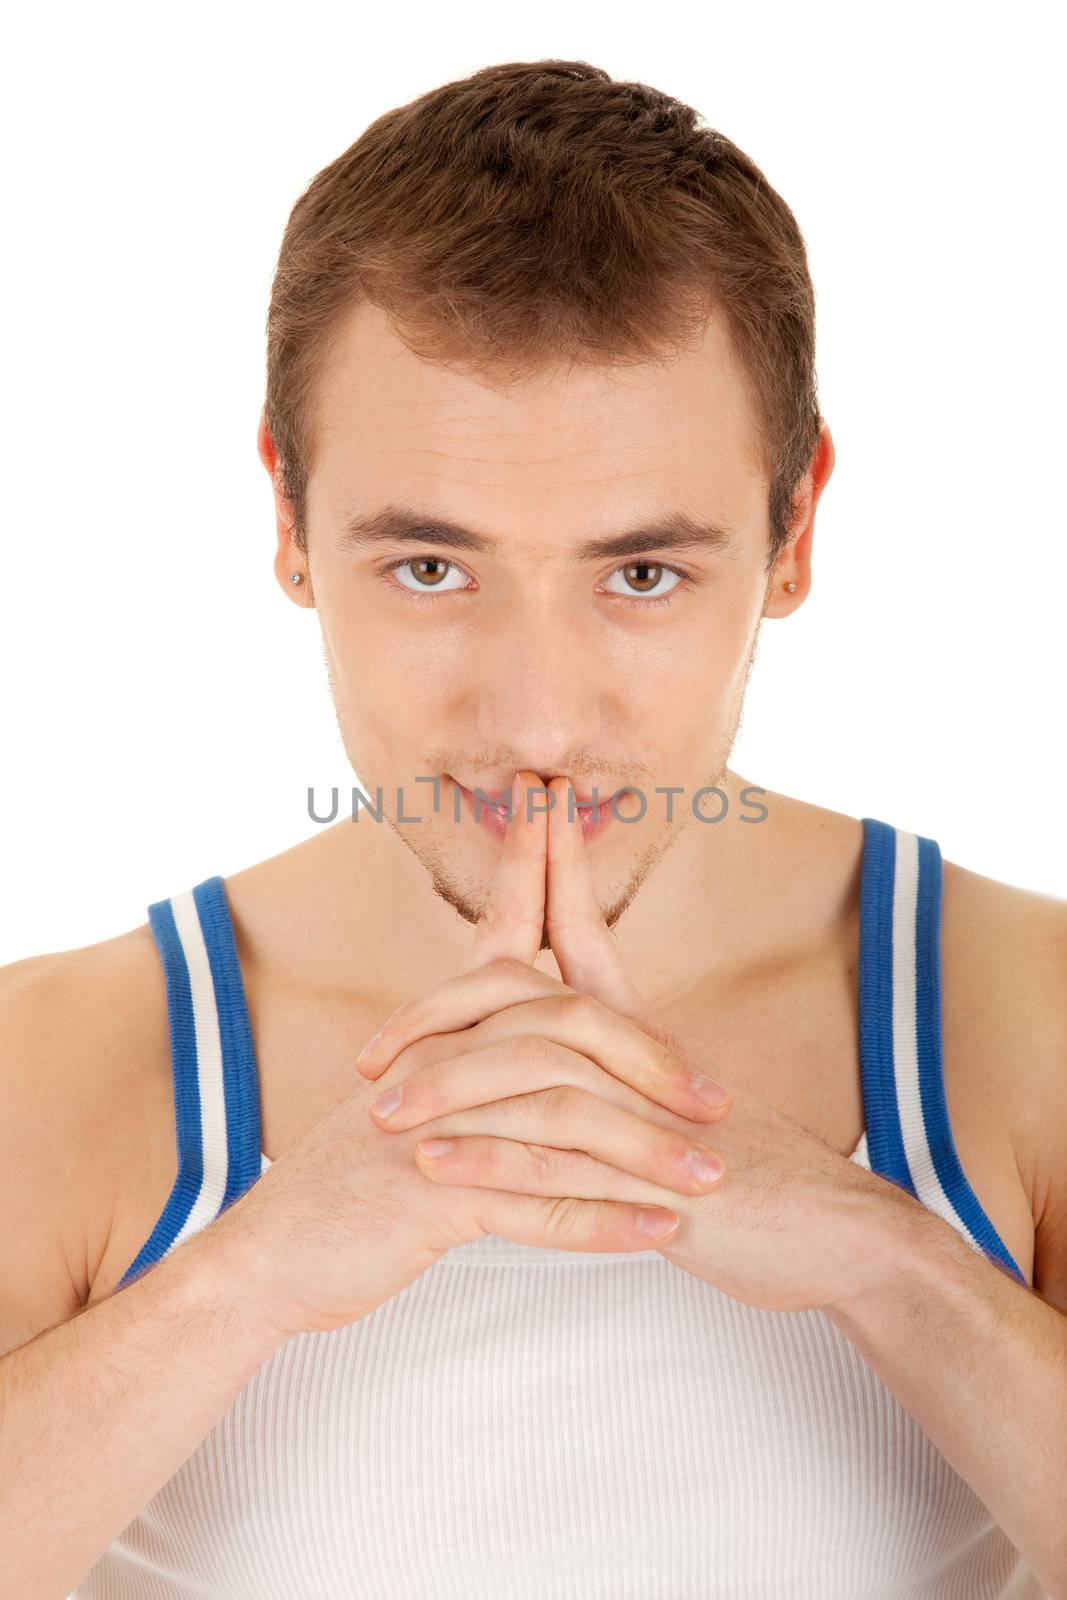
(530, 1424)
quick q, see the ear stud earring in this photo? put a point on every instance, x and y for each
(296, 577)
(790, 588)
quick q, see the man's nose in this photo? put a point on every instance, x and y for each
(541, 693)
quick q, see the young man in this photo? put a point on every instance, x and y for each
(545, 453)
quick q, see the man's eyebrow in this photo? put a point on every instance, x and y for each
(397, 525)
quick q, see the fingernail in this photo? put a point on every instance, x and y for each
(368, 1047)
(387, 1103)
(704, 1168)
(656, 1223)
(709, 1090)
(435, 1147)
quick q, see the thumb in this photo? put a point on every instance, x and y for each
(512, 923)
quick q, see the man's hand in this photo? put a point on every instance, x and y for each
(573, 1090)
(452, 1025)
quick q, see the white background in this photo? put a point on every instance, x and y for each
(165, 709)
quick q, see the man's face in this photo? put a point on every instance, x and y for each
(465, 664)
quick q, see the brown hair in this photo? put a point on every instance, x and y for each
(543, 211)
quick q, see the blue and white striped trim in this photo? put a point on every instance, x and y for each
(909, 1137)
(216, 1086)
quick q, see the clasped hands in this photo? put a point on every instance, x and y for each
(572, 1089)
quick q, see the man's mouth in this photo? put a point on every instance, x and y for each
(491, 810)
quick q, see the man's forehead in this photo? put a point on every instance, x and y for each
(371, 374)
(598, 450)
(546, 468)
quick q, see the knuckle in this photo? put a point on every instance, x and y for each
(565, 1217)
(530, 1050)
(578, 1007)
(563, 1103)
(509, 967)
(543, 1160)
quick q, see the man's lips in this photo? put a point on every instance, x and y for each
(491, 811)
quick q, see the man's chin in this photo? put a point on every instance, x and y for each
(470, 903)
(461, 874)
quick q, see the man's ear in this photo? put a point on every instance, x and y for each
(288, 557)
(794, 562)
(265, 445)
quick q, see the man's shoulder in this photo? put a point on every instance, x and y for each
(83, 1043)
(1004, 973)
(1009, 944)
(92, 997)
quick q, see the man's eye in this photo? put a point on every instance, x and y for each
(431, 570)
(643, 578)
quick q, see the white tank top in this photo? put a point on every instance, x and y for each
(529, 1424)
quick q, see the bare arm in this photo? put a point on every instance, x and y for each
(98, 1413)
(100, 1401)
(977, 1359)
(980, 1362)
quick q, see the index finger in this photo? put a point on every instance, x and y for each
(458, 1003)
(513, 921)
